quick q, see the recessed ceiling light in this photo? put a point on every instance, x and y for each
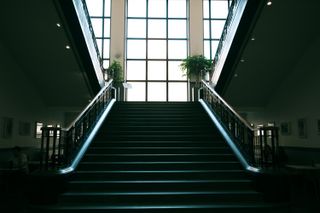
(269, 3)
(235, 75)
(68, 47)
(58, 25)
(242, 60)
(253, 38)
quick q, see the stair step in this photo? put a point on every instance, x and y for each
(157, 143)
(189, 208)
(157, 137)
(162, 197)
(160, 185)
(155, 157)
(158, 150)
(159, 165)
(160, 175)
(173, 132)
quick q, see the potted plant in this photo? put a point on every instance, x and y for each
(196, 66)
(115, 71)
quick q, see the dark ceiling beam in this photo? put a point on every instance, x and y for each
(248, 20)
(84, 50)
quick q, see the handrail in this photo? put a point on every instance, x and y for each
(86, 13)
(89, 105)
(232, 9)
(62, 149)
(255, 148)
(229, 107)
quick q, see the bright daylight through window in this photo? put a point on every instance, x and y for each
(156, 44)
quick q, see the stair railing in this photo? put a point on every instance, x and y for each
(232, 10)
(87, 15)
(255, 148)
(62, 149)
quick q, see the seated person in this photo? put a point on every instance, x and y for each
(20, 161)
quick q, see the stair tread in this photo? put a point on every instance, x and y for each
(161, 193)
(228, 205)
(163, 154)
(159, 171)
(164, 181)
(161, 162)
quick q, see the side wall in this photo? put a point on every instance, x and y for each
(20, 102)
(297, 98)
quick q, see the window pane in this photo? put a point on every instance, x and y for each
(136, 8)
(157, 8)
(106, 28)
(157, 29)
(136, 70)
(137, 92)
(97, 26)
(214, 47)
(156, 70)
(157, 49)
(206, 49)
(175, 72)
(177, 28)
(136, 49)
(94, 7)
(106, 64)
(107, 10)
(219, 9)
(206, 29)
(157, 91)
(106, 48)
(177, 9)
(136, 28)
(177, 49)
(217, 28)
(206, 8)
(178, 92)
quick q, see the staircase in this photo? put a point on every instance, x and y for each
(159, 157)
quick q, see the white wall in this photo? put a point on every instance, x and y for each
(298, 97)
(20, 101)
(196, 27)
(117, 42)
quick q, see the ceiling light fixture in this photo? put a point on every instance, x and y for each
(253, 38)
(269, 3)
(58, 25)
(68, 47)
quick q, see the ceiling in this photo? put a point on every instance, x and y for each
(38, 45)
(281, 35)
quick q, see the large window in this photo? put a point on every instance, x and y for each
(99, 11)
(156, 39)
(215, 13)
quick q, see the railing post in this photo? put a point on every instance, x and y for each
(59, 146)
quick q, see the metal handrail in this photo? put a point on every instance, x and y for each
(108, 84)
(232, 9)
(62, 149)
(86, 13)
(254, 147)
(248, 125)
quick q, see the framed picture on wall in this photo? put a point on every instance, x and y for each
(318, 126)
(24, 128)
(302, 128)
(6, 127)
(285, 128)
